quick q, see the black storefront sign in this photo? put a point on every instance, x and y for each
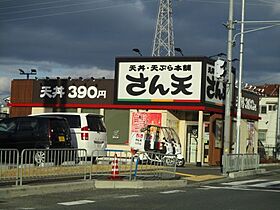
(75, 91)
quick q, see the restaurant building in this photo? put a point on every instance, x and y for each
(179, 92)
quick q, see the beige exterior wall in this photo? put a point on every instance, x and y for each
(38, 110)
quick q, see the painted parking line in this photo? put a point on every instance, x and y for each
(172, 191)
(266, 184)
(244, 182)
(73, 203)
(239, 188)
(27, 208)
(128, 196)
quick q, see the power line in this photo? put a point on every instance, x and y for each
(269, 1)
(91, 9)
(70, 12)
(53, 7)
(35, 4)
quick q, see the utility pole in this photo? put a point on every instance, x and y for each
(238, 123)
(278, 119)
(228, 102)
(164, 38)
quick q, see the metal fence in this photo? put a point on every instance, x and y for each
(114, 164)
(269, 154)
(9, 165)
(240, 162)
(154, 165)
(120, 164)
(40, 164)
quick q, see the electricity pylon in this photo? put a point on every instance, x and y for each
(164, 39)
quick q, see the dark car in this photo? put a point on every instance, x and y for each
(34, 132)
(3, 115)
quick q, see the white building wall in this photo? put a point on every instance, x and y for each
(268, 121)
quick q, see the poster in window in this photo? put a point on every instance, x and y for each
(218, 133)
(142, 119)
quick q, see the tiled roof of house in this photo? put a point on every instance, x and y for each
(266, 90)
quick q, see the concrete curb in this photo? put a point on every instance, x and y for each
(140, 184)
(26, 190)
(269, 164)
(238, 174)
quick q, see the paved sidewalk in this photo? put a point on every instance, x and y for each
(187, 175)
(194, 173)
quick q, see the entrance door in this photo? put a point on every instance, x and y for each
(192, 135)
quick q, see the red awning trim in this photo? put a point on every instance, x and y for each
(110, 106)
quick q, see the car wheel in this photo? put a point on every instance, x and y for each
(40, 158)
(180, 162)
(169, 161)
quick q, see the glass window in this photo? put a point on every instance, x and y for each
(95, 123)
(58, 126)
(262, 135)
(272, 107)
(8, 125)
(263, 110)
(74, 121)
(27, 125)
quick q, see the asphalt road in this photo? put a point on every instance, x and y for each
(259, 193)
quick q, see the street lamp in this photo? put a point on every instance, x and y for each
(137, 51)
(179, 50)
(238, 115)
(32, 72)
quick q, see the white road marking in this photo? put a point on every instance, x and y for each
(128, 196)
(242, 189)
(265, 184)
(172, 191)
(243, 182)
(24, 208)
(72, 203)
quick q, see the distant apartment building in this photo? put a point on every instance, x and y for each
(269, 115)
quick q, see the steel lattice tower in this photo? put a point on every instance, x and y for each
(164, 38)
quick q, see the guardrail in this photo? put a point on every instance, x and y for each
(41, 164)
(155, 165)
(240, 162)
(38, 164)
(9, 165)
(114, 164)
(120, 164)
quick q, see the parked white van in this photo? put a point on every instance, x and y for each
(88, 131)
